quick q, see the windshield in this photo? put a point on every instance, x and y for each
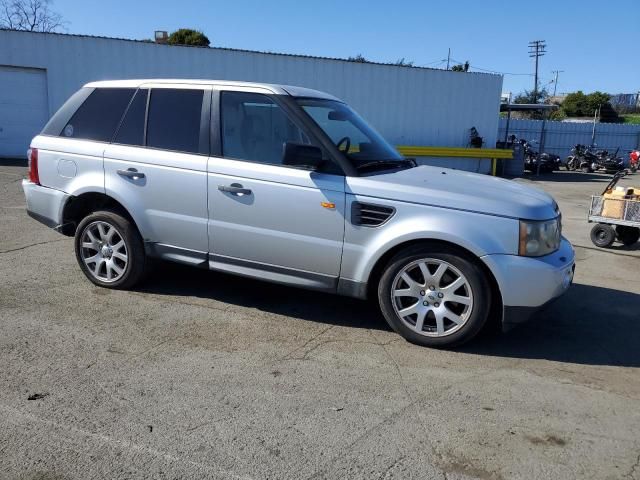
(360, 143)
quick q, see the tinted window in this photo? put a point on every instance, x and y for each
(255, 128)
(174, 119)
(131, 131)
(99, 116)
(351, 134)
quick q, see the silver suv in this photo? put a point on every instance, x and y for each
(290, 185)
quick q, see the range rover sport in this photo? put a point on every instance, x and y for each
(290, 185)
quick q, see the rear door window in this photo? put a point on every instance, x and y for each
(99, 115)
(174, 117)
(131, 131)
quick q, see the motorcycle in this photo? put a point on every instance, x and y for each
(587, 160)
(634, 159)
(549, 162)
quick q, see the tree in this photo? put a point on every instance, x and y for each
(596, 99)
(358, 58)
(528, 96)
(576, 105)
(558, 115)
(187, 36)
(608, 114)
(402, 63)
(461, 68)
(30, 15)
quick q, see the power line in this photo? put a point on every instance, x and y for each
(442, 60)
(501, 73)
(493, 71)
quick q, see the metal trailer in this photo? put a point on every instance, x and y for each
(614, 217)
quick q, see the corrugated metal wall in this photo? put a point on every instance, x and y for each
(560, 137)
(409, 106)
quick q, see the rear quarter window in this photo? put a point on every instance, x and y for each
(99, 115)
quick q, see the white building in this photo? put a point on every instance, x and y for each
(409, 106)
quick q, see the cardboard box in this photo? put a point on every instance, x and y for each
(613, 204)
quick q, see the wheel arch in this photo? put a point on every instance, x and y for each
(78, 207)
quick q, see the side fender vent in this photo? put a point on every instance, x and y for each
(370, 215)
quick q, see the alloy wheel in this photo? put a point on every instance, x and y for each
(432, 297)
(103, 251)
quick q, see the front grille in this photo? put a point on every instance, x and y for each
(370, 215)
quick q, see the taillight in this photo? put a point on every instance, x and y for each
(32, 155)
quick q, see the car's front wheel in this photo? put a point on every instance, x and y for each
(434, 296)
(109, 250)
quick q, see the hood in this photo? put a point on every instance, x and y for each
(457, 189)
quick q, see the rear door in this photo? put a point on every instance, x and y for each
(268, 219)
(156, 166)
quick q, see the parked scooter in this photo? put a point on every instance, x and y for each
(587, 160)
(549, 162)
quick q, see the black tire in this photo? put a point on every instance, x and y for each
(466, 265)
(570, 165)
(136, 264)
(627, 235)
(603, 235)
(586, 169)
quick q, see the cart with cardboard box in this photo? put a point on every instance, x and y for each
(616, 213)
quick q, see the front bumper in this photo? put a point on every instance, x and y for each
(527, 283)
(44, 204)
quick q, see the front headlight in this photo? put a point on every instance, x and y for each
(539, 238)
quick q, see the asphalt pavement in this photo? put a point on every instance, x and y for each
(204, 375)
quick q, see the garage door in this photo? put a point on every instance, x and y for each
(23, 108)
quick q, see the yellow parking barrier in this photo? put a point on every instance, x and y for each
(458, 152)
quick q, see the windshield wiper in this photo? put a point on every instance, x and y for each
(374, 165)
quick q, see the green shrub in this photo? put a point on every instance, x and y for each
(187, 36)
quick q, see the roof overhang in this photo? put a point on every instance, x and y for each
(522, 107)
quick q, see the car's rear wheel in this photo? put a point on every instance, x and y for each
(434, 296)
(109, 250)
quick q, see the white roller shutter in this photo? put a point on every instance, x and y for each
(23, 108)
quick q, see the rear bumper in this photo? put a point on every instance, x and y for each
(529, 284)
(44, 204)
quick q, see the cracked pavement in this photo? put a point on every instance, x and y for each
(203, 375)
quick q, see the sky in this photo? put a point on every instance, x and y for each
(594, 44)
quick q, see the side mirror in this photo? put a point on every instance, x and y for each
(301, 155)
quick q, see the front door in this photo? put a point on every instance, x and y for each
(266, 219)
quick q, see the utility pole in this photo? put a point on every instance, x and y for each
(448, 58)
(536, 50)
(555, 82)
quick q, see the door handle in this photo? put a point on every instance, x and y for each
(131, 173)
(234, 189)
